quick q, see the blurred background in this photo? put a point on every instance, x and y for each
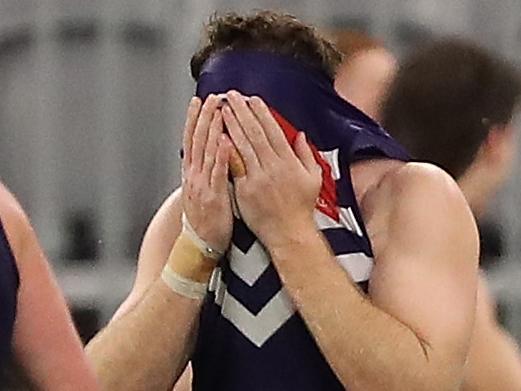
(92, 102)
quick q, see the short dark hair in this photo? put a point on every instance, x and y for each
(445, 99)
(270, 31)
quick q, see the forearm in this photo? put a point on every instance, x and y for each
(494, 363)
(367, 348)
(148, 348)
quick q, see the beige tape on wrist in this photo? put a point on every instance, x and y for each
(183, 286)
(190, 264)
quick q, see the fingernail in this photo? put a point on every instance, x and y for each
(233, 93)
(222, 100)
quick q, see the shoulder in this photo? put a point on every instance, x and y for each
(421, 182)
(421, 203)
(15, 221)
(391, 185)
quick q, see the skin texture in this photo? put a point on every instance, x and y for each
(51, 357)
(149, 341)
(413, 331)
(364, 79)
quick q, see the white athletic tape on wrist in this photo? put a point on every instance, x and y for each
(182, 285)
(205, 249)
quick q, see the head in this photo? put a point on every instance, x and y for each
(367, 70)
(452, 104)
(266, 31)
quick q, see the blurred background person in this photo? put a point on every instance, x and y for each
(36, 329)
(452, 104)
(366, 71)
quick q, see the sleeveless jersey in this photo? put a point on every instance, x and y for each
(9, 282)
(250, 335)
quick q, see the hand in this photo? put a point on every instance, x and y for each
(206, 201)
(277, 195)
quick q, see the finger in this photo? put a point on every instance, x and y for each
(191, 120)
(304, 153)
(240, 140)
(237, 167)
(201, 131)
(252, 127)
(272, 129)
(219, 178)
(216, 129)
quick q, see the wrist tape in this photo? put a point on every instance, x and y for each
(205, 249)
(190, 264)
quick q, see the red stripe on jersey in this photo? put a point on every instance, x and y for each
(327, 199)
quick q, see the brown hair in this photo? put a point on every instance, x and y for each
(269, 31)
(446, 98)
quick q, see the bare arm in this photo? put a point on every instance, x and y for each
(494, 361)
(414, 331)
(149, 342)
(148, 347)
(45, 341)
(145, 300)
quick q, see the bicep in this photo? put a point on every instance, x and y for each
(425, 275)
(435, 302)
(158, 241)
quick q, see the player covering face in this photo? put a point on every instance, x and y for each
(342, 265)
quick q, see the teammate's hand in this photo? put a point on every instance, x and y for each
(206, 201)
(277, 195)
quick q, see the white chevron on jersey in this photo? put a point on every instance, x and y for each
(332, 158)
(357, 265)
(249, 266)
(257, 328)
(348, 220)
(323, 221)
(260, 327)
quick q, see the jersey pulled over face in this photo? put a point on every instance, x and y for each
(250, 335)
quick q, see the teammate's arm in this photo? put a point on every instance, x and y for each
(414, 331)
(149, 345)
(45, 342)
(494, 361)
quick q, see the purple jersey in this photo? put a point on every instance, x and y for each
(9, 282)
(250, 335)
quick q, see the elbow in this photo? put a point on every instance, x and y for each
(429, 377)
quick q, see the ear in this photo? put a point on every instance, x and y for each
(498, 144)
